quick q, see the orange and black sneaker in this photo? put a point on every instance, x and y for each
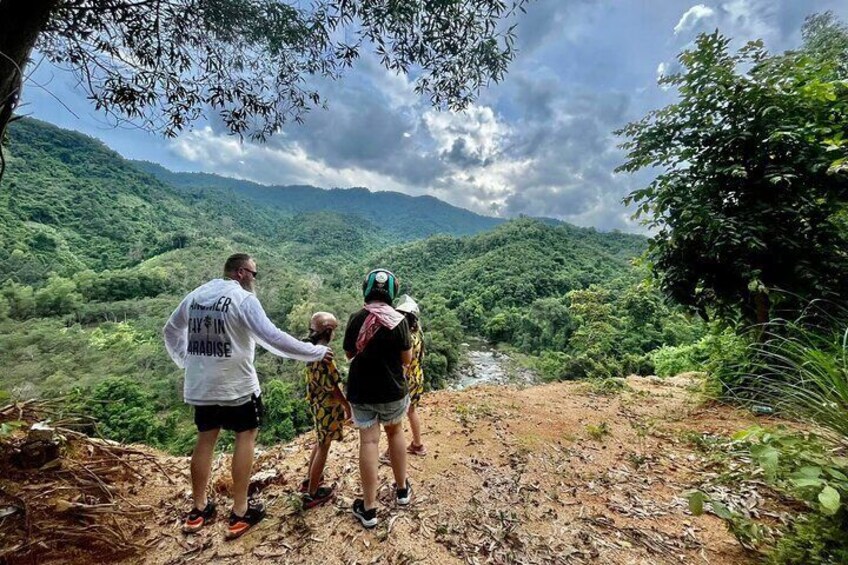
(239, 525)
(196, 519)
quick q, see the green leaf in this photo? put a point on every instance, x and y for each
(6, 428)
(836, 474)
(839, 166)
(747, 433)
(807, 482)
(809, 471)
(696, 502)
(721, 510)
(768, 459)
(829, 499)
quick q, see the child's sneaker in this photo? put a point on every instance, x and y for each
(367, 517)
(304, 486)
(239, 525)
(322, 495)
(196, 519)
(416, 449)
(403, 496)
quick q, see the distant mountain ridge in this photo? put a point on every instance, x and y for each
(69, 203)
(407, 217)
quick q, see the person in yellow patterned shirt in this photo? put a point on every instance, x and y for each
(330, 409)
(414, 371)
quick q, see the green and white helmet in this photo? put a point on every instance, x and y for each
(380, 283)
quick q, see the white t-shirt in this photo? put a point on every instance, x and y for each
(213, 335)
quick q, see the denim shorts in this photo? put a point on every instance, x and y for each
(366, 415)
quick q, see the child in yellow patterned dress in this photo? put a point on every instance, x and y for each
(414, 371)
(330, 409)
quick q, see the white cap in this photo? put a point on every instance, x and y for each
(407, 305)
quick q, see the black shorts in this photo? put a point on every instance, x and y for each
(247, 416)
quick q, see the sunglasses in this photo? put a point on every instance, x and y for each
(254, 273)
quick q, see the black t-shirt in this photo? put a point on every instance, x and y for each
(376, 374)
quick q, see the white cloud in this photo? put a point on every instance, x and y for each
(266, 164)
(476, 133)
(692, 16)
(750, 19)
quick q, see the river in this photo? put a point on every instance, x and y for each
(487, 366)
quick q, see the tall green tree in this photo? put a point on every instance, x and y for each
(752, 177)
(164, 63)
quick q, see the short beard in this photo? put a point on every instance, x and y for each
(248, 284)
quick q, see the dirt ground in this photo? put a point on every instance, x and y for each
(544, 474)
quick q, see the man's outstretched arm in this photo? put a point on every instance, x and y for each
(277, 341)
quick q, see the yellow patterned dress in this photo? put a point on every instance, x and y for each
(327, 412)
(415, 370)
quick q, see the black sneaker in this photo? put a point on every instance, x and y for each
(403, 496)
(367, 517)
(239, 525)
(196, 519)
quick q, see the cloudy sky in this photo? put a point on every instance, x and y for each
(540, 143)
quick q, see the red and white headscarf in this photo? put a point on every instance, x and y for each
(380, 315)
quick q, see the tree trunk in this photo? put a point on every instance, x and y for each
(762, 313)
(20, 23)
(763, 306)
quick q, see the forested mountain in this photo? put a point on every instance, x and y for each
(97, 252)
(405, 217)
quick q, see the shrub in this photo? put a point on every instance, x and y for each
(286, 413)
(124, 411)
(813, 540)
(801, 367)
(634, 364)
(805, 468)
(551, 365)
(721, 353)
(584, 366)
(58, 297)
(122, 335)
(21, 300)
(728, 358)
(673, 360)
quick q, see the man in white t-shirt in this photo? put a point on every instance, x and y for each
(212, 335)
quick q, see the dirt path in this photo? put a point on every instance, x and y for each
(547, 474)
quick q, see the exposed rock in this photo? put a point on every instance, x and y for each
(35, 454)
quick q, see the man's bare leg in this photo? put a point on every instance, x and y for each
(201, 466)
(241, 469)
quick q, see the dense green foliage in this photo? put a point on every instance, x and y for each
(86, 323)
(753, 186)
(750, 207)
(567, 295)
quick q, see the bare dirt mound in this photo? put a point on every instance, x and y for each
(546, 474)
